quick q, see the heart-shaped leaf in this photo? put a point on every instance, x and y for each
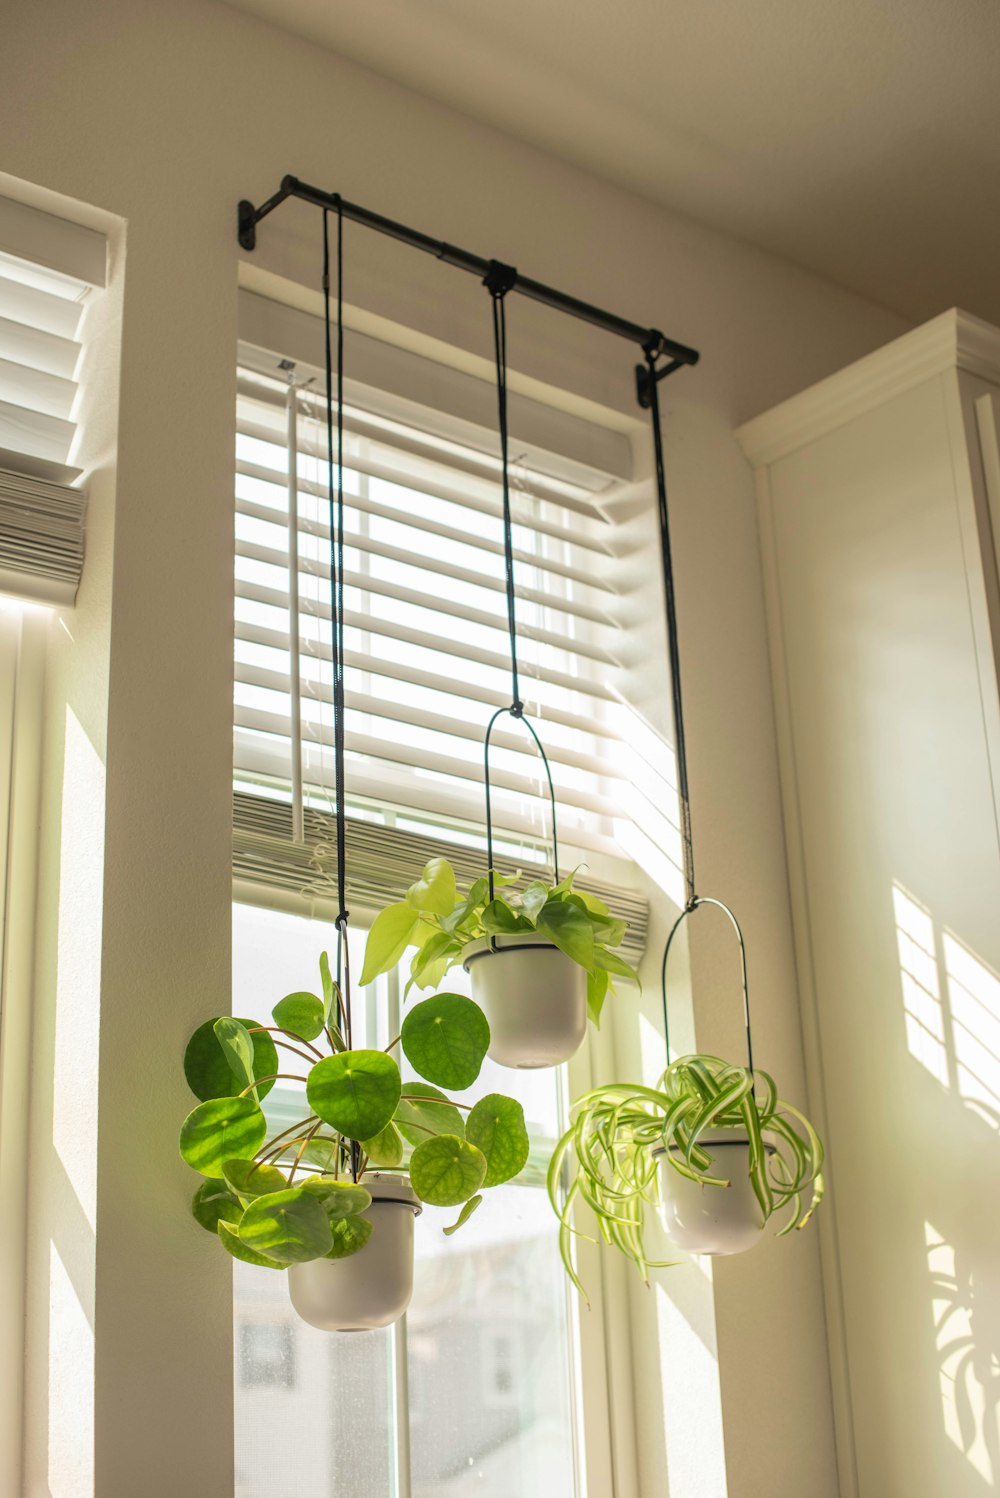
(420, 1114)
(389, 937)
(496, 1126)
(445, 1039)
(435, 890)
(226, 1128)
(208, 1072)
(500, 919)
(532, 899)
(356, 1092)
(350, 1234)
(247, 1178)
(290, 1226)
(464, 1215)
(213, 1203)
(386, 1148)
(237, 1047)
(597, 992)
(568, 925)
(233, 1244)
(446, 1170)
(300, 1013)
(339, 1198)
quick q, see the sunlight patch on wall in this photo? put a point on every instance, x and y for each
(974, 1005)
(921, 984)
(968, 1371)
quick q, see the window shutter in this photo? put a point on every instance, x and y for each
(48, 267)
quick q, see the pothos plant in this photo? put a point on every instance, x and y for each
(442, 924)
(621, 1134)
(300, 1194)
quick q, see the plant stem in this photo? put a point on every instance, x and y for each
(306, 1138)
(303, 1123)
(392, 1043)
(278, 1030)
(288, 1076)
(439, 1102)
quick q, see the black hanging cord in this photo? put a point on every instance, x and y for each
(649, 395)
(335, 491)
(499, 280)
(670, 598)
(696, 904)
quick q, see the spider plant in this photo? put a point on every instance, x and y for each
(624, 1137)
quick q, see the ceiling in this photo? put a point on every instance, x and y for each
(859, 138)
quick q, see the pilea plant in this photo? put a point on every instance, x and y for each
(300, 1194)
(627, 1142)
(444, 925)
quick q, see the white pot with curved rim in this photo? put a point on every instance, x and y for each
(534, 997)
(713, 1219)
(372, 1287)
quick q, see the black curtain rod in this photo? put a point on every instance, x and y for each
(651, 340)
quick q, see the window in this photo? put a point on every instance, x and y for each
(478, 1390)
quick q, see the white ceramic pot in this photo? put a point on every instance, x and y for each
(371, 1288)
(713, 1219)
(534, 996)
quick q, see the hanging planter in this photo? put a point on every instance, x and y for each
(711, 1143)
(333, 1197)
(534, 996)
(540, 957)
(700, 1219)
(371, 1288)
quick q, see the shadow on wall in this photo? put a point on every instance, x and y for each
(951, 1009)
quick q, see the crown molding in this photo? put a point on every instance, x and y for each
(955, 340)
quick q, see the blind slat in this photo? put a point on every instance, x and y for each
(272, 515)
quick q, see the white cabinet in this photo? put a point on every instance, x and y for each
(879, 495)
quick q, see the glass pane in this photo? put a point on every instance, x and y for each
(489, 1376)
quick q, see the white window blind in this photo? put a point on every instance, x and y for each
(48, 268)
(425, 629)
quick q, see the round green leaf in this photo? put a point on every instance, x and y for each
(247, 1178)
(209, 1074)
(445, 1039)
(356, 1092)
(213, 1203)
(496, 1126)
(233, 1244)
(446, 1170)
(226, 1128)
(386, 1148)
(290, 1226)
(339, 1198)
(301, 1013)
(349, 1235)
(417, 1119)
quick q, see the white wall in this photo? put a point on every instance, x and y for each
(165, 114)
